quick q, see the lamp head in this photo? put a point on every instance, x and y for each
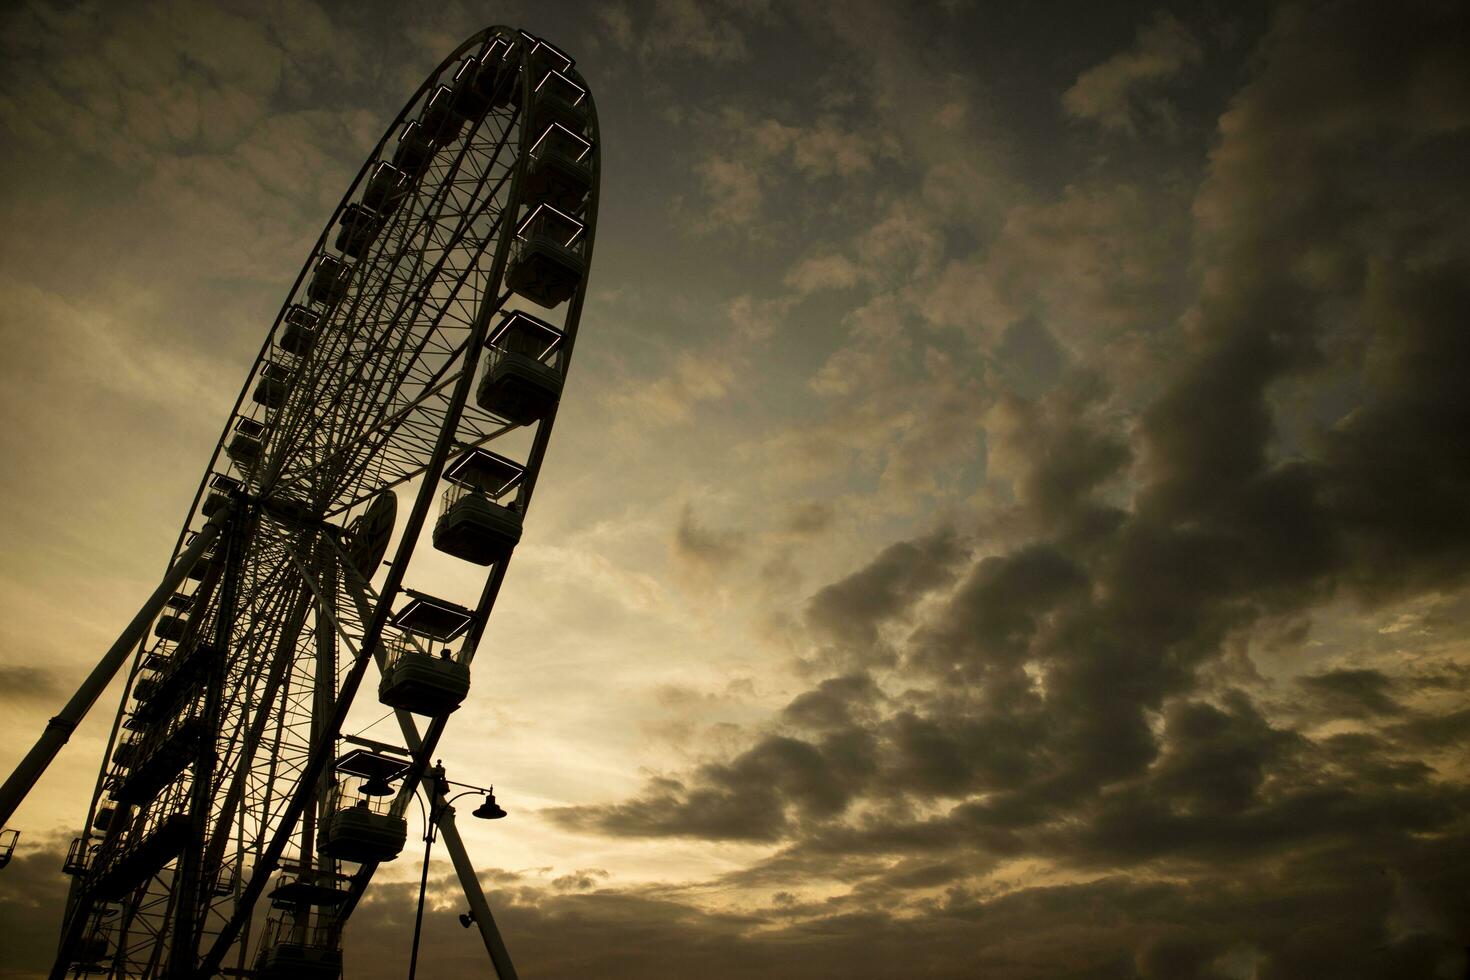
(489, 810)
(466, 919)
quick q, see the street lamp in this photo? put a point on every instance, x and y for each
(440, 786)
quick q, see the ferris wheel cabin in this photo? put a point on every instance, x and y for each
(385, 189)
(246, 445)
(201, 568)
(496, 73)
(171, 625)
(519, 385)
(473, 524)
(274, 386)
(282, 956)
(365, 831)
(360, 825)
(299, 337)
(329, 281)
(559, 171)
(441, 120)
(474, 86)
(221, 489)
(420, 673)
(546, 265)
(297, 942)
(559, 99)
(359, 226)
(8, 839)
(414, 150)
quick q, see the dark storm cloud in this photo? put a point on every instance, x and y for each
(1059, 453)
(1347, 915)
(989, 624)
(581, 880)
(1117, 94)
(1217, 758)
(759, 795)
(835, 703)
(1055, 702)
(1109, 929)
(1353, 693)
(1292, 222)
(32, 896)
(1395, 473)
(851, 611)
(30, 684)
(1435, 731)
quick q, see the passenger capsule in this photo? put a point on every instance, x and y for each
(547, 266)
(329, 281)
(421, 681)
(519, 385)
(559, 171)
(414, 151)
(359, 227)
(385, 189)
(473, 525)
(299, 335)
(441, 121)
(363, 831)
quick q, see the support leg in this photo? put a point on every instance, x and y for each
(463, 866)
(470, 883)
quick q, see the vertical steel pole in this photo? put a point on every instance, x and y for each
(418, 922)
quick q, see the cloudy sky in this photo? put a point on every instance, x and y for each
(1010, 512)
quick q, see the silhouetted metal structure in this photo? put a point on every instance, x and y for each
(227, 776)
(443, 806)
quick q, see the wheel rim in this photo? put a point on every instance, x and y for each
(379, 400)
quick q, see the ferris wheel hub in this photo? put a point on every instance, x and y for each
(293, 511)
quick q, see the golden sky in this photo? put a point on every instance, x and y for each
(1009, 515)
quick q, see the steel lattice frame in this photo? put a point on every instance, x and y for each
(381, 401)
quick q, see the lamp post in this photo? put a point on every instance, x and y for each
(488, 810)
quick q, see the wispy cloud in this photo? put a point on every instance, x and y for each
(1123, 92)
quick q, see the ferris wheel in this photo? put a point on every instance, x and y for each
(421, 352)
